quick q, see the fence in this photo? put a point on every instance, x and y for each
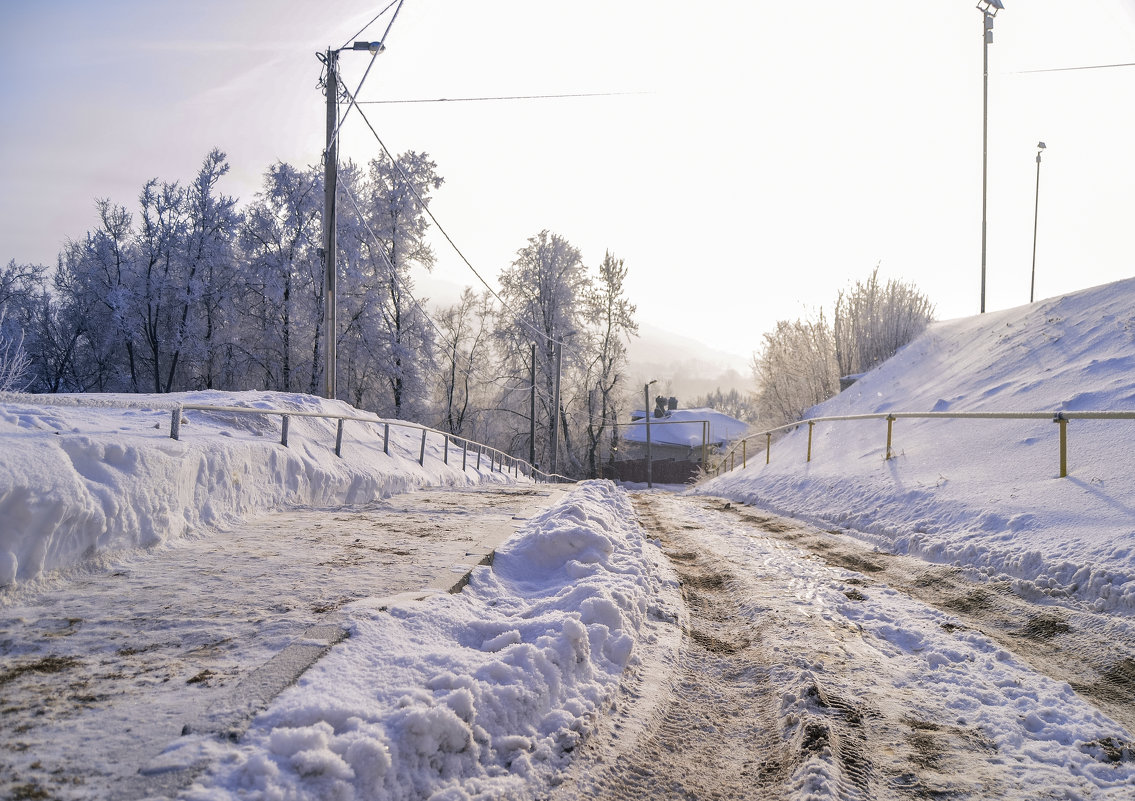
(729, 459)
(499, 461)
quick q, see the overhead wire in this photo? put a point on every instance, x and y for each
(1073, 69)
(373, 57)
(501, 97)
(376, 18)
(425, 207)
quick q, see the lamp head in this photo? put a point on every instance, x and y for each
(372, 47)
(1040, 145)
(990, 7)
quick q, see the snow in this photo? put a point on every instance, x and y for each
(90, 476)
(984, 494)
(476, 695)
(684, 427)
(490, 693)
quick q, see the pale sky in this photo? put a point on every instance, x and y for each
(775, 152)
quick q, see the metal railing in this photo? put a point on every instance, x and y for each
(499, 461)
(729, 458)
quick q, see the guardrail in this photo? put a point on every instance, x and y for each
(1060, 418)
(499, 461)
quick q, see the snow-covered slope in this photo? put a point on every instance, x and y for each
(983, 493)
(80, 481)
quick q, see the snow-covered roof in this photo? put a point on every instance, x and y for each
(684, 427)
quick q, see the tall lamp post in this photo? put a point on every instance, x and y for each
(1036, 210)
(988, 9)
(330, 179)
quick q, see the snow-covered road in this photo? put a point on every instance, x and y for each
(797, 663)
(813, 667)
(101, 669)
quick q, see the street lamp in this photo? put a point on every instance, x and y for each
(988, 9)
(330, 180)
(1036, 209)
(646, 409)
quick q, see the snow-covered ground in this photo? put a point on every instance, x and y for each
(983, 494)
(580, 620)
(94, 475)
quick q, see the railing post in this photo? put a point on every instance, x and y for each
(1063, 422)
(285, 424)
(464, 453)
(422, 455)
(175, 423)
(339, 437)
(732, 460)
(386, 438)
(811, 425)
(890, 428)
(744, 453)
(445, 457)
(768, 447)
(479, 449)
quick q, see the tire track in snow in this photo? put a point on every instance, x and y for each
(1058, 636)
(799, 679)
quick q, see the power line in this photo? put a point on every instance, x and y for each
(1072, 69)
(376, 17)
(425, 207)
(501, 97)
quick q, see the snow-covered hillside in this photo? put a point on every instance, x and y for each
(984, 494)
(88, 477)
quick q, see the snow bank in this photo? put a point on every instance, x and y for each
(983, 493)
(484, 694)
(84, 477)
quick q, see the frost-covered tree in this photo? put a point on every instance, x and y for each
(795, 369)
(872, 322)
(155, 281)
(463, 353)
(283, 297)
(611, 315)
(205, 315)
(541, 294)
(95, 283)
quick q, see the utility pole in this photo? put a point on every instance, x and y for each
(532, 412)
(646, 407)
(330, 179)
(556, 414)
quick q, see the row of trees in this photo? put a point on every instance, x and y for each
(190, 291)
(801, 361)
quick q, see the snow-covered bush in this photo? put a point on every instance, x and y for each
(872, 322)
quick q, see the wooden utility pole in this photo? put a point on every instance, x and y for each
(556, 414)
(532, 412)
(330, 179)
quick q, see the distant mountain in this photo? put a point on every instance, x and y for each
(684, 367)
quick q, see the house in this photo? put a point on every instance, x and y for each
(680, 434)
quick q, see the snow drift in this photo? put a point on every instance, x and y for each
(981, 493)
(78, 482)
(484, 694)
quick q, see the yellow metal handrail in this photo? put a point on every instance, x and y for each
(1061, 418)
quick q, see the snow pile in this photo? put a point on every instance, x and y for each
(983, 493)
(483, 694)
(78, 482)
